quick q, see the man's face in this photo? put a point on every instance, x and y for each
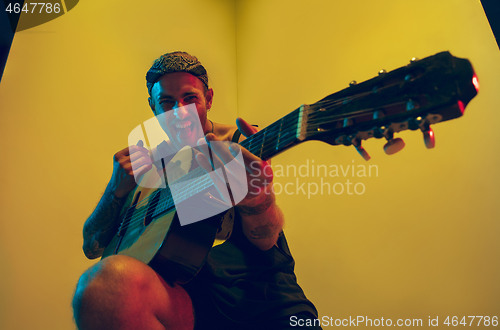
(170, 96)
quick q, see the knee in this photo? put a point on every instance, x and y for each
(110, 282)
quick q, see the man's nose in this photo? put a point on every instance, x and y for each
(180, 111)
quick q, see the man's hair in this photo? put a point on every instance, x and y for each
(176, 62)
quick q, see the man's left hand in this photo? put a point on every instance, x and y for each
(259, 175)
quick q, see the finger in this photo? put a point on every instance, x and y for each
(203, 162)
(130, 167)
(139, 172)
(130, 149)
(221, 149)
(218, 181)
(122, 153)
(136, 148)
(253, 164)
(245, 128)
(223, 172)
(137, 163)
(205, 150)
(138, 159)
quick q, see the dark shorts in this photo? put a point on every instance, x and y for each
(208, 316)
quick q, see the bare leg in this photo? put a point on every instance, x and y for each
(121, 292)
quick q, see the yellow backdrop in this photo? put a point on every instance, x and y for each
(420, 242)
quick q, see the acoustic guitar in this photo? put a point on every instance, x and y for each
(413, 97)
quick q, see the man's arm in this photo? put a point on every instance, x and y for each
(103, 223)
(262, 220)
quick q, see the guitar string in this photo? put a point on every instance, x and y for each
(328, 103)
(333, 118)
(347, 99)
(140, 212)
(195, 186)
(139, 216)
(353, 114)
(253, 151)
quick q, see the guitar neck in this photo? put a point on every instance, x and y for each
(413, 97)
(277, 137)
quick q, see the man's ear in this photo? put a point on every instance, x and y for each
(209, 97)
(151, 105)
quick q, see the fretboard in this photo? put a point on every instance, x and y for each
(275, 138)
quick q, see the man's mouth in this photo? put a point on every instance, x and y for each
(184, 130)
(183, 124)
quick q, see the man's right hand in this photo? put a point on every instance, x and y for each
(128, 166)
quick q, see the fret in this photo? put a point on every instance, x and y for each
(250, 140)
(279, 134)
(262, 144)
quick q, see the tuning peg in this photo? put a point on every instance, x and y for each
(394, 145)
(381, 72)
(363, 153)
(429, 139)
(414, 59)
(360, 149)
(353, 83)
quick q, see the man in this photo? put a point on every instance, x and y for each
(247, 282)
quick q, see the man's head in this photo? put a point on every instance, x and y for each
(175, 81)
(176, 62)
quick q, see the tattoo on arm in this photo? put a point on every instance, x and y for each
(263, 221)
(102, 224)
(258, 209)
(262, 232)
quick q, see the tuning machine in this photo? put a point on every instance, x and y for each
(393, 145)
(429, 139)
(357, 144)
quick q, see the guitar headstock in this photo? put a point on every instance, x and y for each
(414, 97)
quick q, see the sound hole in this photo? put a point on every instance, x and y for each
(151, 209)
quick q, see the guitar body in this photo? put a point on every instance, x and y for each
(175, 252)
